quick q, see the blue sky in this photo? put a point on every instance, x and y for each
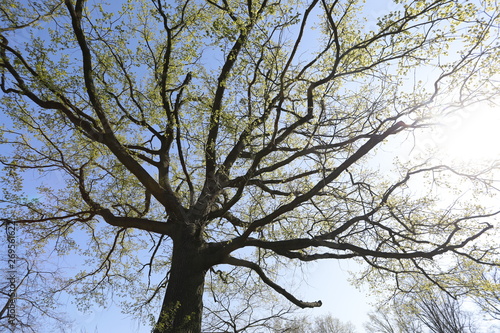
(326, 280)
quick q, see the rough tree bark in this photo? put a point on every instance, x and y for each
(182, 305)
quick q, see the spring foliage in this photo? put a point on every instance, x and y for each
(176, 138)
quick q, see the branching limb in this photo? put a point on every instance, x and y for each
(363, 150)
(257, 269)
(162, 228)
(286, 247)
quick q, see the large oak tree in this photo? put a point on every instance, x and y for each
(183, 137)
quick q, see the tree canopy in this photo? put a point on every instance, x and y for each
(172, 139)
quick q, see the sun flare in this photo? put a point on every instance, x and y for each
(471, 137)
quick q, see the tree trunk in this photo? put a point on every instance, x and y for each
(183, 303)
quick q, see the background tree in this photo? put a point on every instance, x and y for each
(175, 137)
(428, 310)
(329, 324)
(443, 314)
(320, 324)
(391, 319)
(27, 291)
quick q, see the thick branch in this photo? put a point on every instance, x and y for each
(210, 156)
(164, 195)
(286, 247)
(256, 268)
(162, 228)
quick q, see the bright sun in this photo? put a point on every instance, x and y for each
(472, 137)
